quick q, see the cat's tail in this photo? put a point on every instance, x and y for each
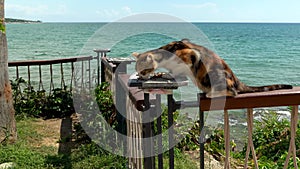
(252, 89)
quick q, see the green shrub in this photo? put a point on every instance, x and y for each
(98, 116)
(27, 102)
(271, 136)
(59, 104)
(105, 103)
(31, 103)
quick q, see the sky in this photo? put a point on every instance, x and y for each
(190, 11)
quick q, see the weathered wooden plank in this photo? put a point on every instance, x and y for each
(252, 100)
(248, 100)
(48, 62)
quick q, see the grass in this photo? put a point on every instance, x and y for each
(37, 147)
(25, 153)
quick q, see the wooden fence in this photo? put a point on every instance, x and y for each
(139, 103)
(57, 73)
(81, 71)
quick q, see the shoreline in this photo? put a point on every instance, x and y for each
(23, 22)
(12, 20)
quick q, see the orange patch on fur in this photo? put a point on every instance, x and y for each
(185, 55)
(229, 82)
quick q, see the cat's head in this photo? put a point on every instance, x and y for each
(145, 64)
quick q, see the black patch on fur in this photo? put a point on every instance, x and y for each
(286, 86)
(197, 66)
(193, 59)
(174, 46)
(206, 81)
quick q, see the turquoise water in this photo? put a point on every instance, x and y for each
(259, 54)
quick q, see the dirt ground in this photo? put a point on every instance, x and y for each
(210, 162)
(50, 130)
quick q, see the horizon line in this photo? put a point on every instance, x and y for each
(234, 22)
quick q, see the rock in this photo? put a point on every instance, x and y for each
(7, 165)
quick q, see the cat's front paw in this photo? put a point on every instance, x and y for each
(163, 75)
(143, 77)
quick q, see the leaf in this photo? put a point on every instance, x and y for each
(2, 26)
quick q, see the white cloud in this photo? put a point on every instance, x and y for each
(127, 9)
(198, 12)
(196, 6)
(113, 14)
(26, 10)
(110, 13)
(37, 11)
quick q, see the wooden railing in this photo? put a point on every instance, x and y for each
(250, 101)
(139, 104)
(56, 73)
(46, 75)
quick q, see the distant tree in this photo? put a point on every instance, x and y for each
(8, 131)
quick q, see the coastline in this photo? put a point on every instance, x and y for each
(18, 21)
(23, 22)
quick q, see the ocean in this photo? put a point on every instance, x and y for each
(258, 53)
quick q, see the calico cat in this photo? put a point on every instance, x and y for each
(206, 69)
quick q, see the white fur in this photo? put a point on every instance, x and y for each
(176, 66)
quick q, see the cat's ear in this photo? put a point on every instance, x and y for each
(185, 40)
(135, 54)
(149, 58)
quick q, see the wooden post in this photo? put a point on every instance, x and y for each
(250, 145)
(227, 139)
(159, 131)
(171, 131)
(149, 161)
(292, 148)
(202, 138)
(101, 53)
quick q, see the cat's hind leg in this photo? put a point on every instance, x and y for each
(216, 92)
